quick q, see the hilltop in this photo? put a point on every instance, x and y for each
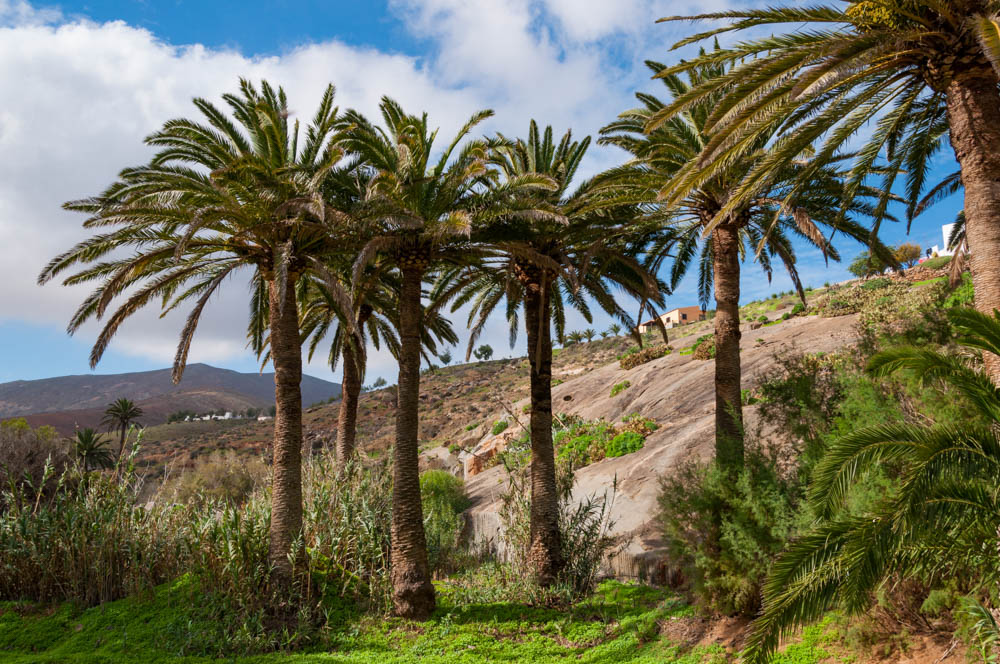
(66, 402)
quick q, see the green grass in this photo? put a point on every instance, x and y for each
(619, 623)
(936, 262)
(935, 280)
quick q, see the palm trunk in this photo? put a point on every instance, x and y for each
(728, 399)
(412, 592)
(545, 553)
(350, 390)
(974, 121)
(286, 487)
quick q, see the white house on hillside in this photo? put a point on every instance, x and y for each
(943, 250)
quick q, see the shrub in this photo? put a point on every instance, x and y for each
(25, 452)
(499, 427)
(724, 529)
(585, 529)
(444, 500)
(798, 309)
(704, 348)
(648, 354)
(624, 443)
(876, 284)
(223, 477)
(963, 295)
(471, 426)
(618, 388)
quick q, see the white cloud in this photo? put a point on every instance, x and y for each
(79, 97)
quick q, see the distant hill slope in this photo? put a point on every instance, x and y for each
(76, 400)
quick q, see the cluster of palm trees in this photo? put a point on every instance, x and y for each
(360, 233)
(93, 450)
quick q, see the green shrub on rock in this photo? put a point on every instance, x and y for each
(648, 354)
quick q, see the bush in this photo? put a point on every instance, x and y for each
(499, 427)
(798, 309)
(25, 453)
(963, 295)
(624, 443)
(724, 529)
(223, 477)
(618, 388)
(876, 284)
(704, 348)
(648, 354)
(444, 500)
(585, 529)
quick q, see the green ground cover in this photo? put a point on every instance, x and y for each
(619, 623)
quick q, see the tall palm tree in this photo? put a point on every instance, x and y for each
(375, 301)
(944, 518)
(902, 66)
(119, 416)
(93, 450)
(691, 228)
(554, 246)
(424, 213)
(222, 196)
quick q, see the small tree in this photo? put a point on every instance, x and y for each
(589, 334)
(445, 357)
(615, 329)
(907, 254)
(92, 450)
(118, 417)
(483, 353)
(865, 265)
(574, 337)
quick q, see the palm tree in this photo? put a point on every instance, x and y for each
(904, 67)
(222, 196)
(615, 329)
(92, 450)
(374, 303)
(573, 338)
(589, 334)
(424, 212)
(690, 228)
(944, 516)
(555, 246)
(119, 416)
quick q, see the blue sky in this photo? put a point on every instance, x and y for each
(84, 81)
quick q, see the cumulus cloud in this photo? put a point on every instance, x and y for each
(79, 96)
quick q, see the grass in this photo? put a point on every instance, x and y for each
(935, 280)
(619, 623)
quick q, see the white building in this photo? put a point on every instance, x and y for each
(943, 250)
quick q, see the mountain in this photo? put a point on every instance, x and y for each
(69, 401)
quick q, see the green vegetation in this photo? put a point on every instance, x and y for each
(936, 263)
(879, 485)
(444, 501)
(580, 442)
(618, 388)
(633, 356)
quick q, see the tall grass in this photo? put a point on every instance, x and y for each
(92, 541)
(87, 540)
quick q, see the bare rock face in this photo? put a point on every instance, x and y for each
(678, 393)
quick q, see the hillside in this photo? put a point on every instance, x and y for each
(69, 401)
(459, 404)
